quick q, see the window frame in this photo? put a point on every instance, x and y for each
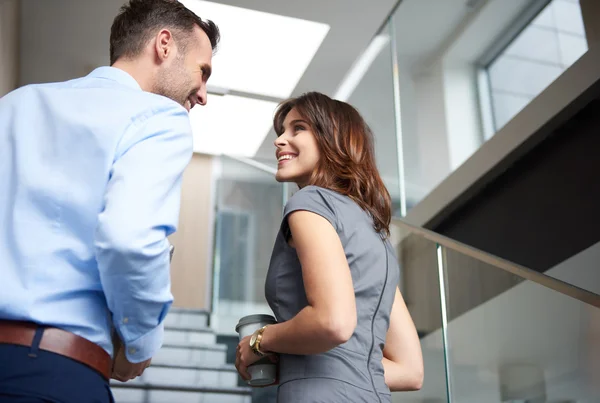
(504, 40)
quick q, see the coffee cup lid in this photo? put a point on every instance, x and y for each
(261, 318)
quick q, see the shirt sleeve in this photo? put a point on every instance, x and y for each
(313, 199)
(141, 208)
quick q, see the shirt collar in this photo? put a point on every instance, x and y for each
(115, 74)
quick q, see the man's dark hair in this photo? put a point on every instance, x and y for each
(139, 19)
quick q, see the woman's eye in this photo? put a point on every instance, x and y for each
(299, 128)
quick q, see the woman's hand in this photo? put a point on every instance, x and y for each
(245, 357)
(402, 356)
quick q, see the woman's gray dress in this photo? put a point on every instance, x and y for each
(352, 372)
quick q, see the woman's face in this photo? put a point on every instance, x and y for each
(297, 151)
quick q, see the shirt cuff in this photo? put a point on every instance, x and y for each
(146, 346)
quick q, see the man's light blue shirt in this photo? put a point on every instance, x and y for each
(90, 184)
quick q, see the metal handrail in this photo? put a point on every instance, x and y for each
(560, 286)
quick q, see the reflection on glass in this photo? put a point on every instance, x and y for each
(248, 213)
(514, 340)
(373, 97)
(420, 288)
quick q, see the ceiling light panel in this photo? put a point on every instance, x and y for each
(259, 53)
(231, 125)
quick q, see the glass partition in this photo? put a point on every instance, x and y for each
(248, 213)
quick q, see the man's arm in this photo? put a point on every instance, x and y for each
(141, 208)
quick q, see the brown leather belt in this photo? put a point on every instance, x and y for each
(58, 341)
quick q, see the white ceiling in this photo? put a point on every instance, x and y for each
(81, 27)
(353, 24)
(62, 39)
(424, 26)
(251, 58)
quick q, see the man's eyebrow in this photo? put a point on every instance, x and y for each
(206, 69)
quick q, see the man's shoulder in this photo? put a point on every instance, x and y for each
(159, 111)
(103, 102)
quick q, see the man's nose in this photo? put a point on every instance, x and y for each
(202, 96)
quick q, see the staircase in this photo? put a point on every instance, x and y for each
(189, 368)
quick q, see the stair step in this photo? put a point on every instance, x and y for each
(190, 376)
(187, 318)
(168, 393)
(182, 336)
(197, 354)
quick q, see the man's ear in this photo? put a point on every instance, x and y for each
(164, 44)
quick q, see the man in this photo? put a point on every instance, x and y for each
(90, 188)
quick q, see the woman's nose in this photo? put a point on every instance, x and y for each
(280, 141)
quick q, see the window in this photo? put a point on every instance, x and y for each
(543, 48)
(235, 234)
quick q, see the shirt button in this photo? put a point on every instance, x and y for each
(132, 350)
(126, 320)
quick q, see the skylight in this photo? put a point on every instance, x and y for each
(231, 125)
(259, 53)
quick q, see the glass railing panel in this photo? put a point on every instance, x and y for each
(511, 339)
(420, 288)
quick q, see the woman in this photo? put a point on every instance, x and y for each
(344, 333)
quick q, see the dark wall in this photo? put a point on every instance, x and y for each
(543, 209)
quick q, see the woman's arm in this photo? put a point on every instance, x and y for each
(403, 360)
(329, 319)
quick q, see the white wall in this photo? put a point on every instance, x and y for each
(434, 160)
(64, 39)
(9, 45)
(446, 123)
(440, 122)
(463, 127)
(526, 325)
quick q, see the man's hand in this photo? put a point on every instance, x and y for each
(125, 371)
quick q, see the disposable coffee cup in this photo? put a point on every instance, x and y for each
(263, 372)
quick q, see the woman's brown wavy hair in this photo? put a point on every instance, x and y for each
(346, 153)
